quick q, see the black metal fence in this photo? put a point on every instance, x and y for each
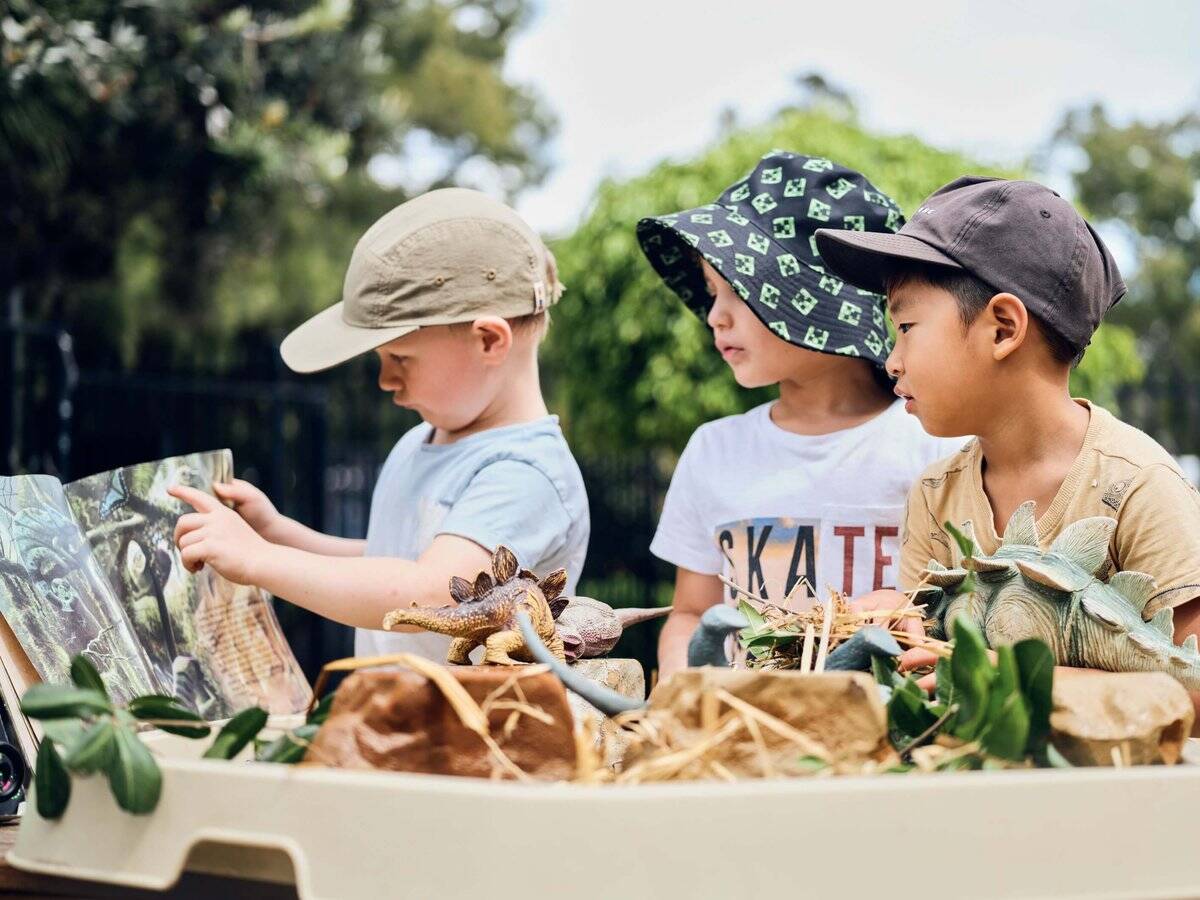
(289, 437)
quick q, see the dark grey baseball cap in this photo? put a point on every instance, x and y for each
(1015, 236)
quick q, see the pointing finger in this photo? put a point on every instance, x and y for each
(199, 500)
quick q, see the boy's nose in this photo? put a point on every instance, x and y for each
(892, 364)
(718, 314)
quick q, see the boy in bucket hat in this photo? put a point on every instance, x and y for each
(450, 290)
(995, 288)
(807, 491)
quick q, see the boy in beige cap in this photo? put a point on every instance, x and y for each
(451, 291)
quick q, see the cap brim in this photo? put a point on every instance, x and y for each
(866, 258)
(326, 340)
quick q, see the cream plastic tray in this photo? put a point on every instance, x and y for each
(341, 834)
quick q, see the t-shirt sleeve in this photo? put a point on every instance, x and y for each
(685, 537)
(1158, 532)
(916, 546)
(513, 503)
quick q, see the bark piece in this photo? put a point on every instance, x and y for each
(624, 676)
(1145, 716)
(400, 721)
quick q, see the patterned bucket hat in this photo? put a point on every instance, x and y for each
(759, 235)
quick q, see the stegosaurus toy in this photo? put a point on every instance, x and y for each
(1056, 595)
(485, 613)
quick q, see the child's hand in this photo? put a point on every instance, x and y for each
(216, 535)
(250, 503)
(890, 600)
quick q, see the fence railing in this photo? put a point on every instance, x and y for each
(72, 423)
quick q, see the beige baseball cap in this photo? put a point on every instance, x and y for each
(450, 255)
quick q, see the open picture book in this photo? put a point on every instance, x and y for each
(91, 567)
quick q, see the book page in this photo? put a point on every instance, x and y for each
(55, 598)
(217, 646)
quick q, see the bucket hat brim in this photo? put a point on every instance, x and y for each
(866, 259)
(804, 305)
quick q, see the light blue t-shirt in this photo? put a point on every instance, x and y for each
(518, 486)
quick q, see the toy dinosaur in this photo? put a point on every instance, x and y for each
(486, 609)
(589, 628)
(1056, 595)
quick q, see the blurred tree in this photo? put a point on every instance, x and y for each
(628, 365)
(1141, 180)
(176, 173)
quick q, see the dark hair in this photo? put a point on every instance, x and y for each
(973, 296)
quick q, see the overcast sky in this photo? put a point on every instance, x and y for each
(634, 82)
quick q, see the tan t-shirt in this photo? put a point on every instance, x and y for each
(1120, 472)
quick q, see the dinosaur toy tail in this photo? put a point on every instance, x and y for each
(632, 616)
(604, 699)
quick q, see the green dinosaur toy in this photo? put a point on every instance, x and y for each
(485, 613)
(1056, 595)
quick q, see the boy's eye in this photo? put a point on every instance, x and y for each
(903, 327)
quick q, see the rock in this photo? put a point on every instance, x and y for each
(625, 677)
(1147, 716)
(837, 715)
(398, 720)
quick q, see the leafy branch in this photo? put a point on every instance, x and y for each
(86, 733)
(982, 715)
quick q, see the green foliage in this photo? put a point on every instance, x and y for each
(177, 174)
(627, 364)
(237, 734)
(987, 715)
(51, 783)
(1140, 179)
(163, 710)
(100, 737)
(1111, 362)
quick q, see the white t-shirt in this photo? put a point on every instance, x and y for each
(767, 507)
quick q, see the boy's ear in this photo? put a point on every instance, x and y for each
(1008, 320)
(494, 337)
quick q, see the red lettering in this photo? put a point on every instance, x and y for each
(881, 561)
(849, 535)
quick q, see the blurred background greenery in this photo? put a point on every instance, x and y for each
(182, 182)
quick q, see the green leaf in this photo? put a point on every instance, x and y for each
(967, 547)
(320, 712)
(93, 750)
(884, 670)
(1035, 667)
(290, 746)
(757, 622)
(1005, 683)
(971, 674)
(1007, 733)
(133, 774)
(60, 701)
(907, 710)
(237, 733)
(160, 708)
(84, 675)
(813, 763)
(51, 783)
(945, 683)
(64, 732)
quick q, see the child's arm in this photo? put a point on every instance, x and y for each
(694, 593)
(260, 514)
(354, 591)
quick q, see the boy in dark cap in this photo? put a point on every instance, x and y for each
(995, 288)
